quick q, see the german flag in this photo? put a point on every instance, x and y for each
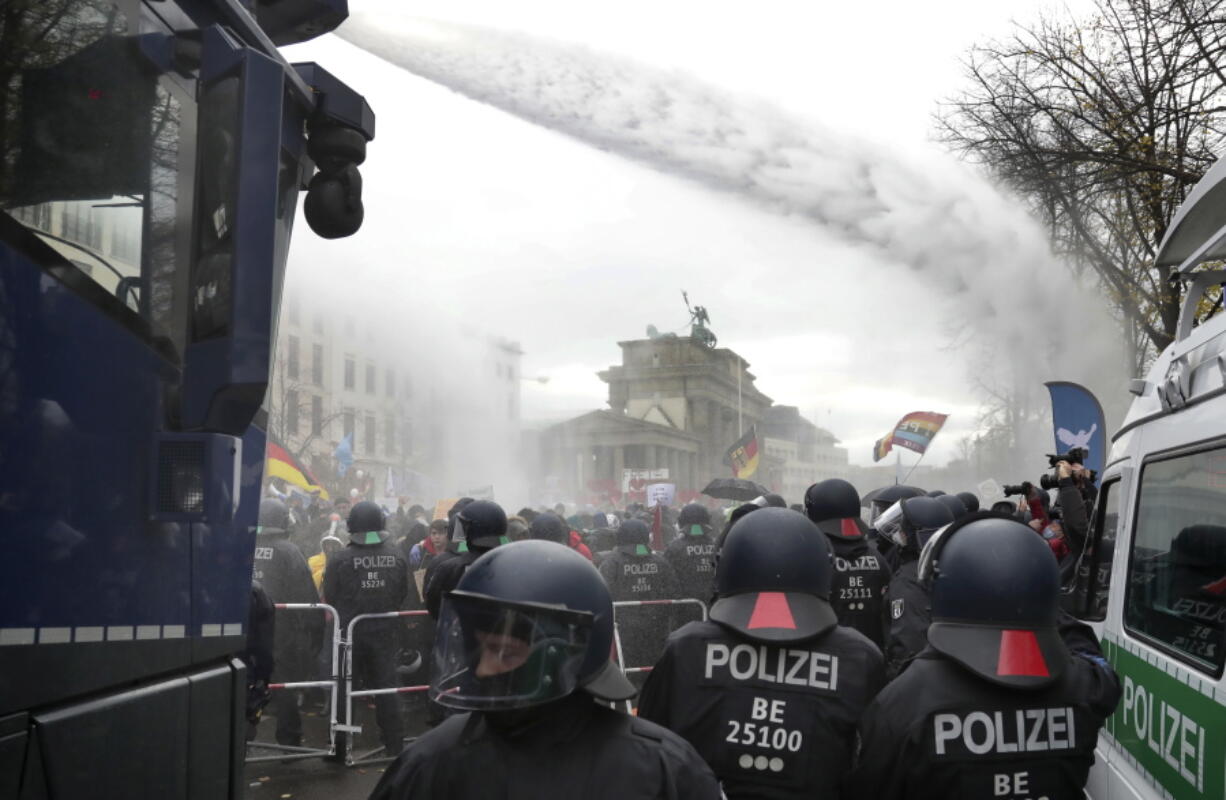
(743, 456)
(280, 464)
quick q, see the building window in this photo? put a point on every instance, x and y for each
(347, 423)
(291, 413)
(406, 438)
(389, 436)
(370, 378)
(317, 416)
(350, 372)
(370, 434)
(291, 366)
(317, 364)
(389, 384)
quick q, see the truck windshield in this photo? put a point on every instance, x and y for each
(90, 154)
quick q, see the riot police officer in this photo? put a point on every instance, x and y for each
(887, 496)
(770, 689)
(258, 655)
(523, 647)
(955, 505)
(452, 550)
(285, 575)
(477, 527)
(634, 572)
(1007, 699)
(692, 553)
(371, 576)
(970, 500)
(882, 500)
(909, 525)
(857, 590)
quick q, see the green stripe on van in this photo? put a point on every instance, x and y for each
(1175, 733)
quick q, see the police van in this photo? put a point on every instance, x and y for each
(1158, 541)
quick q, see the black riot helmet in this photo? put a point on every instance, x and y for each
(482, 524)
(995, 594)
(694, 514)
(454, 512)
(909, 522)
(694, 520)
(366, 523)
(936, 493)
(970, 500)
(529, 622)
(771, 500)
(274, 518)
(954, 504)
(549, 527)
(883, 498)
(834, 505)
(634, 537)
(773, 578)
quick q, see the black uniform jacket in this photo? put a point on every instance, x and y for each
(573, 748)
(907, 615)
(857, 591)
(635, 577)
(443, 574)
(940, 731)
(282, 570)
(773, 721)
(693, 560)
(367, 579)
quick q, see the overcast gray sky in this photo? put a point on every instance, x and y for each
(568, 249)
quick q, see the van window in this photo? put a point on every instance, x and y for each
(1088, 597)
(1177, 567)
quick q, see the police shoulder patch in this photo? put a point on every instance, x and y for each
(896, 608)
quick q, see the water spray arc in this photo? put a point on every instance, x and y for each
(970, 243)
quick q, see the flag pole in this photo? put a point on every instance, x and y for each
(898, 467)
(740, 427)
(916, 464)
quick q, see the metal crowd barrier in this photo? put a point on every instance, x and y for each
(290, 752)
(348, 726)
(338, 744)
(617, 638)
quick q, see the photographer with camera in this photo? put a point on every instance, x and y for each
(1076, 495)
(1076, 498)
(1031, 506)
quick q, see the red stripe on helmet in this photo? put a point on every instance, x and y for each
(1020, 655)
(848, 528)
(771, 610)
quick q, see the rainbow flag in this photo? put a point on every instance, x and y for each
(914, 432)
(279, 463)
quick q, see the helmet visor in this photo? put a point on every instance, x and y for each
(492, 655)
(928, 556)
(467, 532)
(889, 524)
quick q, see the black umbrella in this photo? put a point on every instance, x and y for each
(733, 489)
(890, 494)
